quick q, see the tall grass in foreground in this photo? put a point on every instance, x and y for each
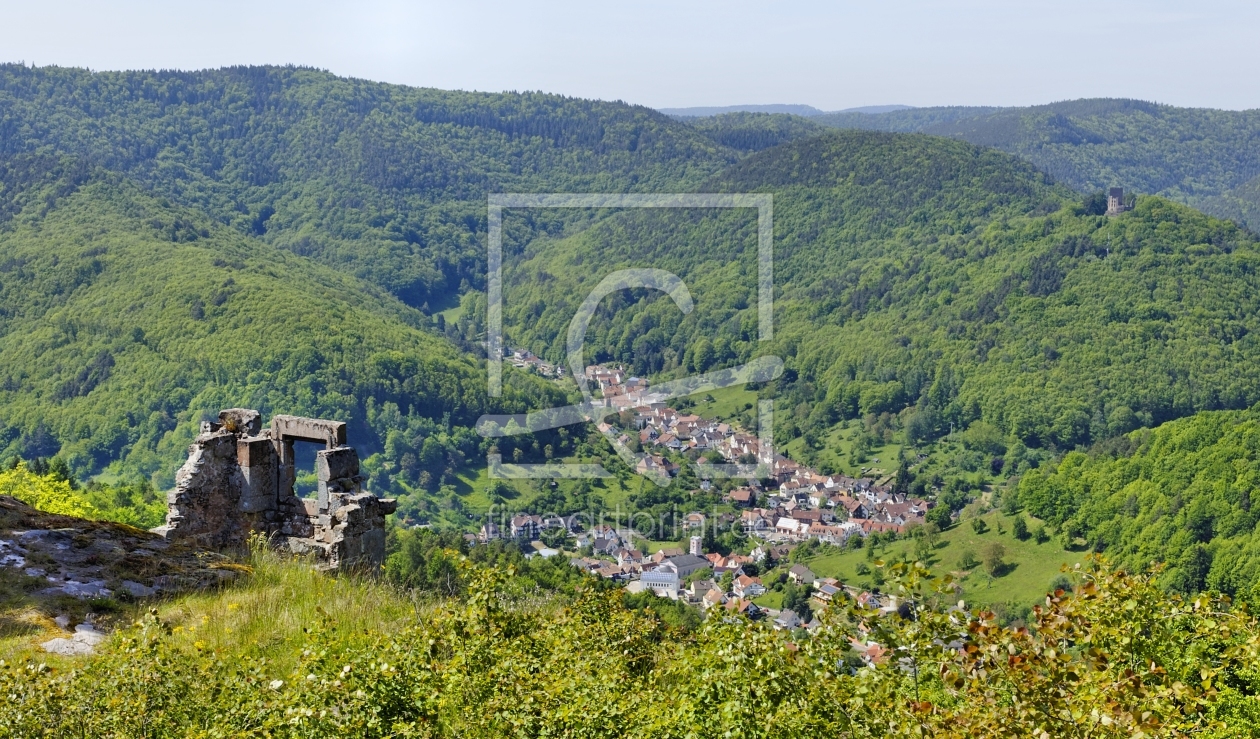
(268, 613)
(293, 653)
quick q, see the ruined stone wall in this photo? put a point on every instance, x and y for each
(205, 503)
(239, 479)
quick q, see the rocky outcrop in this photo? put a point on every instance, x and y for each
(49, 561)
(238, 481)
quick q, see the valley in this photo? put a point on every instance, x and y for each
(1014, 434)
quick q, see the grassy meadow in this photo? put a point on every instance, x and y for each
(1028, 572)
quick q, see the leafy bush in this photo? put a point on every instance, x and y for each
(45, 492)
(490, 665)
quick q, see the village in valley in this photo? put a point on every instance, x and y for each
(790, 507)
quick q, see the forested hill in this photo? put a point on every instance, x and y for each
(921, 274)
(908, 120)
(123, 318)
(1183, 494)
(1207, 158)
(747, 132)
(385, 181)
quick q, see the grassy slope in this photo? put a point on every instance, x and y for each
(835, 454)
(265, 616)
(293, 653)
(1033, 566)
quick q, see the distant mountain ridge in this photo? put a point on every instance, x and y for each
(1203, 157)
(801, 110)
(702, 111)
(384, 181)
(1206, 158)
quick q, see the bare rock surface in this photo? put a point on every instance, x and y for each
(60, 565)
(84, 641)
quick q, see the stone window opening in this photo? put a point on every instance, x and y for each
(305, 477)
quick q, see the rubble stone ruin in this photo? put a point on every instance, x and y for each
(238, 480)
(1115, 201)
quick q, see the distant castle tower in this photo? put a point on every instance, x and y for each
(1115, 201)
(695, 545)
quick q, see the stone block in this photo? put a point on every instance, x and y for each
(220, 444)
(241, 421)
(336, 464)
(257, 460)
(252, 451)
(330, 433)
(347, 512)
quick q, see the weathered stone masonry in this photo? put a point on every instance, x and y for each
(239, 480)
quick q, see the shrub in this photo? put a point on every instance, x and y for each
(492, 664)
(46, 492)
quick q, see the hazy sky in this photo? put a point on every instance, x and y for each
(673, 54)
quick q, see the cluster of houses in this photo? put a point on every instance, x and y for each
(525, 359)
(618, 390)
(792, 505)
(668, 573)
(804, 505)
(831, 509)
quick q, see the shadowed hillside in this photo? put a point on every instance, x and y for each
(384, 181)
(125, 318)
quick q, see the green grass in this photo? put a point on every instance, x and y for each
(770, 599)
(652, 547)
(472, 483)
(1031, 566)
(728, 404)
(266, 614)
(839, 444)
(451, 315)
(263, 615)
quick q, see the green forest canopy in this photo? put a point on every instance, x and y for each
(124, 320)
(386, 181)
(1203, 157)
(1180, 494)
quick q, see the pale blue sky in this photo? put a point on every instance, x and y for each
(674, 54)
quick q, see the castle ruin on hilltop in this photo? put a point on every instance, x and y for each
(1115, 202)
(238, 480)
